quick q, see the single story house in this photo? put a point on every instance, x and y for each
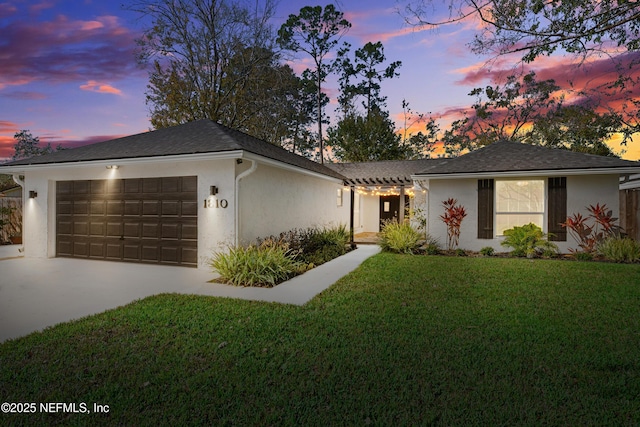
(508, 183)
(171, 196)
(174, 195)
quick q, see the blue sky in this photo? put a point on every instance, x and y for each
(69, 73)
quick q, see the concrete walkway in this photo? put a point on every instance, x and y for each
(37, 293)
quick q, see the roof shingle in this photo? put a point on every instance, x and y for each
(201, 136)
(387, 172)
(506, 156)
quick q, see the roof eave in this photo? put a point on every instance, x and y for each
(220, 155)
(538, 172)
(287, 166)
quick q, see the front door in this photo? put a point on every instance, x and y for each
(389, 209)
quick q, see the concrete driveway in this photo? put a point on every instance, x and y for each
(37, 293)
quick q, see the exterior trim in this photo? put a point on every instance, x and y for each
(543, 172)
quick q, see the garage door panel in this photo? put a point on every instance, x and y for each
(150, 220)
(189, 256)
(113, 251)
(64, 248)
(80, 187)
(149, 253)
(80, 249)
(132, 186)
(170, 231)
(97, 188)
(64, 227)
(114, 186)
(114, 229)
(189, 209)
(170, 208)
(132, 230)
(81, 207)
(132, 207)
(64, 188)
(97, 229)
(189, 184)
(97, 250)
(98, 207)
(169, 185)
(81, 227)
(115, 207)
(189, 232)
(150, 207)
(151, 185)
(65, 207)
(170, 255)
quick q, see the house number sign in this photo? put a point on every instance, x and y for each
(216, 203)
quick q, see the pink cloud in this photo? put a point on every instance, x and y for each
(94, 86)
(64, 50)
(91, 25)
(7, 9)
(24, 95)
(37, 8)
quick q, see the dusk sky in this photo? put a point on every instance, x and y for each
(70, 77)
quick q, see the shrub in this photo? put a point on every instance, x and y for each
(527, 240)
(263, 265)
(399, 237)
(452, 217)
(460, 252)
(432, 249)
(313, 245)
(583, 256)
(487, 251)
(619, 249)
(588, 236)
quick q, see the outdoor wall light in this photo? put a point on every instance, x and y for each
(213, 190)
(33, 194)
(112, 166)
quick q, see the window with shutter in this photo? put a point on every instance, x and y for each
(485, 209)
(557, 197)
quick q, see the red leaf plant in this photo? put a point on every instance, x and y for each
(587, 235)
(453, 216)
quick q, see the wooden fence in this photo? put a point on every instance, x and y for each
(13, 220)
(630, 212)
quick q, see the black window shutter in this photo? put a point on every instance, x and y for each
(485, 209)
(557, 196)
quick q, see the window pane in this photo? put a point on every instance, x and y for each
(520, 196)
(506, 221)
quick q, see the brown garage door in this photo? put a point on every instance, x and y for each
(148, 220)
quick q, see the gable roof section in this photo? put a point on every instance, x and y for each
(514, 157)
(198, 137)
(387, 172)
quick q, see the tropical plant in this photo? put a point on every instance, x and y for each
(452, 217)
(322, 245)
(399, 237)
(263, 265)
(313, 245)
(487, 251)
(619, 249)
(527, 240)
(589, 231)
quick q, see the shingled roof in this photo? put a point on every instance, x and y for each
(198, 137)
(388, 172)
(506, 156)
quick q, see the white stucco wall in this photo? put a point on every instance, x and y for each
(582, 191)
(274, 200)
(214, 225)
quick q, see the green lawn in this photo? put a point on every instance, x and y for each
(404, 340)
